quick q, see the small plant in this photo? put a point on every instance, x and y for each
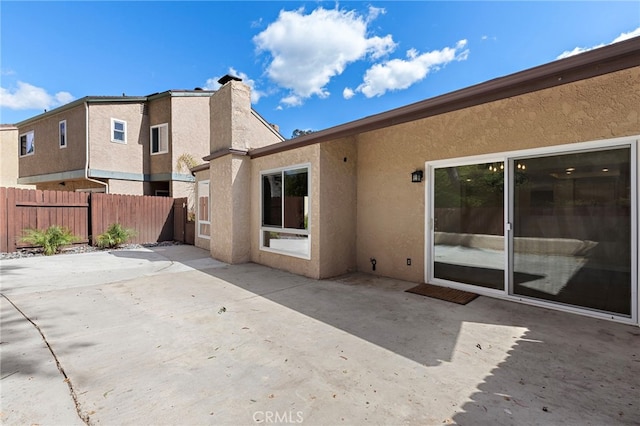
(51, 240)
(114, 236)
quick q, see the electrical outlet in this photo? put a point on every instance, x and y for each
(408, 261)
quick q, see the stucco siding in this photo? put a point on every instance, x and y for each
(221, 203)
(307, 155)
(338, 207)
(48, 157)
(159, 113)
(390, 208)
(73, 185)
(112, 156)
(126, 187)
(190, 129)
(9, 158)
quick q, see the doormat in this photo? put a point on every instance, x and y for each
(443, 293)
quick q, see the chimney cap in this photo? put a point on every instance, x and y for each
(227, 78)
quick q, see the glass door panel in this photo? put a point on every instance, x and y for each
(468, 224)
(572, 229)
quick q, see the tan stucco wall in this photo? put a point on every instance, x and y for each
(230, 205)
(111, 156)
(338, 207)
(126, 187)
(9, 158)
(180, 189)
(310, 155)
(48, 157)
(233, 122)
(159, 113)
(189, 129)
(390, 209)
(69, 185)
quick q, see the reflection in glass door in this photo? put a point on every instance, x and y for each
(572, 229)
(468, 224)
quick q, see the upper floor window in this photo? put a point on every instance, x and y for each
(27, 144)
(62, 133)
(160, 138)
(118, 131)
(285, 211)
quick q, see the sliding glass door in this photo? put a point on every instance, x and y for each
(572, 229)
(468, 223)
(569, 217)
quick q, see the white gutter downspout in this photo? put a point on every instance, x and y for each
(86, 161)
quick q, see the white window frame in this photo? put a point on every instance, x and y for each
(203, 188)
(113, 130)
(508, 157)
(161, 149)
(33, 143)
(283, 230)
(62, 134)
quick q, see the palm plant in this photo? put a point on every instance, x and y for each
(51, 239)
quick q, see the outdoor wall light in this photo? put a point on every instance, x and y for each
(416, 176)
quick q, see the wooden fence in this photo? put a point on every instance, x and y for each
(83, 213)
(150, 217)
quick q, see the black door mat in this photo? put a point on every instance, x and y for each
(443, 293)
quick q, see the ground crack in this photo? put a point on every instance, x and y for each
(84, 417)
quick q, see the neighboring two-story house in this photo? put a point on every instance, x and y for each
(120, 144)
(9, 157)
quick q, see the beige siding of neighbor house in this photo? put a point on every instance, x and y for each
(48, 157)
(390, 209)
(159, 113)
(9, 158)
(117, 157)
(70, 185)
(190, 128)
(126, 187)
(307, 155)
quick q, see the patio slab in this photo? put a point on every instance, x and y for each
(170, 336)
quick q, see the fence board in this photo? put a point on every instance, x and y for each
(146, 215)
(33, 209)
(86, 215)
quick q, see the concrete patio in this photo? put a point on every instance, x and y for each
(169, 336)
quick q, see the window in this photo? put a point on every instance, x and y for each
(62, 133)
(160, 139)
(285, 212)
(204, 218)
(118, 131)
(27, 144)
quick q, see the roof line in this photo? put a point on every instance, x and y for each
(604, 60)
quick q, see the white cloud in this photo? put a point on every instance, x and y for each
(348, 93)
(398, 74)
(621, 37)
(28, 96)
(212, 84)
(308, 50)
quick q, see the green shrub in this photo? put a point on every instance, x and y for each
(50, 240)
(114, 236)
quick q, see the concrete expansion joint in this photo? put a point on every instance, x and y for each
(274, 291)
(84, 417)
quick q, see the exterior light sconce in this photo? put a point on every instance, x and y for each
(416, 176)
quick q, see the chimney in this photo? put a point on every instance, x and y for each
(227, 78)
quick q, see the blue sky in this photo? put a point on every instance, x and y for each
(311, 65)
